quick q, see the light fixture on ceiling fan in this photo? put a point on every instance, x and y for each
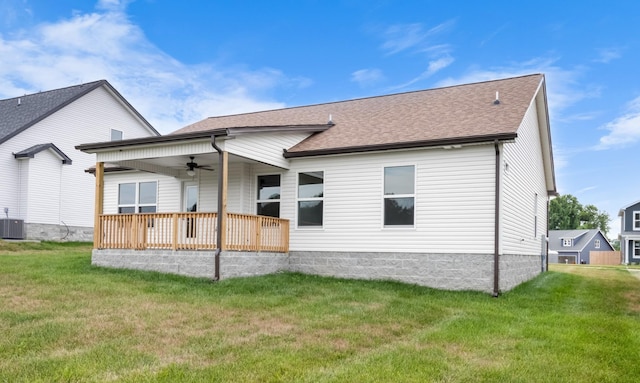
(192, 166)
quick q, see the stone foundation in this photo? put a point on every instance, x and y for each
(48, 232)
(441, 271)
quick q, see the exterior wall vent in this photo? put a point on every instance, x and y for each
(11, 228)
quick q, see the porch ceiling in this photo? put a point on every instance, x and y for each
(176, 165)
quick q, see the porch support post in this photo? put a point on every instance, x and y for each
(223, 180)
(222, 200)
(99, 203)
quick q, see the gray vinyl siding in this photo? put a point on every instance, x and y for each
(628, 217)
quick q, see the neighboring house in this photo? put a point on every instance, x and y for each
(630, 233)
(574, 246)
(44, 184)
(445, 188)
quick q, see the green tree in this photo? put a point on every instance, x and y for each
(567, 213)
(592, 218)
(564, 213)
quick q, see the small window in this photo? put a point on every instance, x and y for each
(116, 135)
(636, 248)
(636, 220)
(310, 199)
(596, 243)
(137, 197)
(269, 195)
(566, 242)
(399, 195)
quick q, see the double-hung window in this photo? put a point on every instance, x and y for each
(269, 195)
(137, 197)
(399, 195)
(310, 199)
(636, 220)
(596, 243)
(636, 248)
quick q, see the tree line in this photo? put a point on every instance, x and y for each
(567, 213)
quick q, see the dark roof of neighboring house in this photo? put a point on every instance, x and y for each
(461, 113)
(20, 113)
(35, 149)
(581, 238)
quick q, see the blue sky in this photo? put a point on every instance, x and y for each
(178, 62)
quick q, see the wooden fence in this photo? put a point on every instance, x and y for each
(605, 258)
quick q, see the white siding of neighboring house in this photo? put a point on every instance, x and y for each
(43, 198)
(522, 179)
(454, 202)
(88, 119)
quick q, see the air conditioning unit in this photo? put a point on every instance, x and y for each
(11, 228)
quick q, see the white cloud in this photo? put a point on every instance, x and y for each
(624, 130)
(608, 54)
(564, 86)
(404, 37)
(433, 67)
(105, 44)
(365, 77)
(415, 39)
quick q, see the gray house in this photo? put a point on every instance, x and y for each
(630, 232)
(574, 246)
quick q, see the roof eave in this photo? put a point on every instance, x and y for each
(403, 145)
(206, 134)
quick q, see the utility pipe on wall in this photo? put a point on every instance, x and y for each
(220, 217)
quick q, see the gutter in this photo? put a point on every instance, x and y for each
(216, 276)
(496, 239)
(402, 145)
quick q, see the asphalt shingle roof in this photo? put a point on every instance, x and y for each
(434, 115)
(19, 113)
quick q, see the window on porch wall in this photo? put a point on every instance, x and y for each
(269, 195)
(137, 197)
(636, 248)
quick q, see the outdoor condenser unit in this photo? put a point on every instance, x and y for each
(11, 228)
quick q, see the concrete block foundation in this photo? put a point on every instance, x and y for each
(441, 271)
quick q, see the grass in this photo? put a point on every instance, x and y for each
(62, 320)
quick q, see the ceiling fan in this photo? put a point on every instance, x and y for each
(192, 166)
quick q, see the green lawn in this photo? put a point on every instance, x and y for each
(62, 320)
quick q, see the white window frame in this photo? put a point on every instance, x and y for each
(596, 243)
(567, 242)
(390, 196)
(137, 204)
(635, 220)
(636, 249)
(309, 199)
(279, 200)
(116, 131)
